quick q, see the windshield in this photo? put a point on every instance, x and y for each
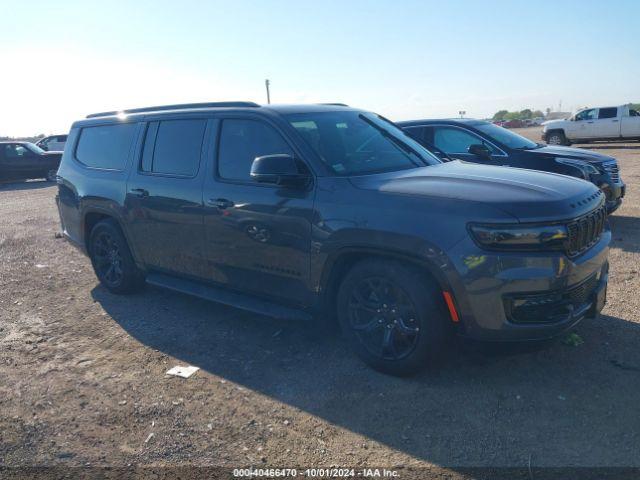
(355, 143)
(34, 148)
(506, 137)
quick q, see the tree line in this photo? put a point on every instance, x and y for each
(526, 114)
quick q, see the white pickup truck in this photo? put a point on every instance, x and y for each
(591, 124)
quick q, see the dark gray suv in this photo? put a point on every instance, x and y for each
(324, 211)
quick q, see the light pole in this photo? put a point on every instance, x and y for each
(462, 113)
(266, 84)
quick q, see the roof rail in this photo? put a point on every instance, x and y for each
(335, 104)
(179, 106)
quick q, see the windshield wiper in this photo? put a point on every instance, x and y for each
(403, 146)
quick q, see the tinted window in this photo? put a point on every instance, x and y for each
(241, 141)
(15, 151)
(417, 133)
(456, 140)
(634, 113)
(105, 146)
(611, 112)
(177, 147)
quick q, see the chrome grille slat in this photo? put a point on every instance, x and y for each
(613, 170)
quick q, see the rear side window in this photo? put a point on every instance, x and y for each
(241, 141)
(173, 147)
(105, 146)
(608, 113)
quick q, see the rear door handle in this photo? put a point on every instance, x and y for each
(221, 203)
(139, 192)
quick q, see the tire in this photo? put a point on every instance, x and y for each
(373, 303)
(52, 175)
(112, 260)
(557, 138)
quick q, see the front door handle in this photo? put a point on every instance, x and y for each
(139, 192)
(221, 203)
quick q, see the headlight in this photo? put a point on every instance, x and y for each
(585, 167)
(520, 237)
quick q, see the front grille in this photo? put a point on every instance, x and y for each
(612, 169)
(553, 306)
(585, 231)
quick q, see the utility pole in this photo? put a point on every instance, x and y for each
(266, 84)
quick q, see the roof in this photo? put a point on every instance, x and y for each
(447, 121)
(139, 113)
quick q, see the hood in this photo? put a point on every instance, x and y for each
(527, 195)
(569, 152)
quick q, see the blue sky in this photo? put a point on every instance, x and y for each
(404, 59)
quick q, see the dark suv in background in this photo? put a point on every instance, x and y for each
(483, 142)
(323, 211)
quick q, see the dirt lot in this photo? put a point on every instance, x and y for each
(82, 374)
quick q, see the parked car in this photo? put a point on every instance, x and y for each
(53, 143)
(24, 160)
(323, 211)
(513, 124)
(594, 124)
(482, 142)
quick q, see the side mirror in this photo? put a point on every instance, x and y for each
(480, 150)
(279, 169)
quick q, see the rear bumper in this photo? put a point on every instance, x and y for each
(527, 296)
(79, 245)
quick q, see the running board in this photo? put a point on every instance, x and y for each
(226, 297)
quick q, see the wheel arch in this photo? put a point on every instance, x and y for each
(92, 216)
(341, 261)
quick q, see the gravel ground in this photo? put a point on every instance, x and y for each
(83, 374)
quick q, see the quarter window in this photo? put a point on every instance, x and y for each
(456, 140)
(105, 146)
(173, 147)
(604, 113)
(241, 141)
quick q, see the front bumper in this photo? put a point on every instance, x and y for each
(614, 194)
(526, 296)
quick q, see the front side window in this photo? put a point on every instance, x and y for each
(241, 141)
(173, 147)
(15, 151)
(355, 143)
(105, 146)
(456, 140)
(586, 115)
(604, 113)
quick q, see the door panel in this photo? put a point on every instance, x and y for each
(607, 124)
(164, 197)
(584, 124)
(257, 237)
(18, 162)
